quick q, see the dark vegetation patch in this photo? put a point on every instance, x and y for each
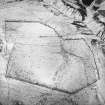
(1, 103)
(17, 102)
(87, 2)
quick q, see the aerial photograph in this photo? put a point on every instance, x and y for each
(52, 52)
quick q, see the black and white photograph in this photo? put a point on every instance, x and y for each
(52, 52)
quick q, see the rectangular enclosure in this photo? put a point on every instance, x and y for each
(37, 57)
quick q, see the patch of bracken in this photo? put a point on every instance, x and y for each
(103, 50)
(70, 101)
(95, 8)
(16, 102)
(65, 101)
(98, 2)
(93, 42)
(1, 103)
(87, 2)
(42, 101)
